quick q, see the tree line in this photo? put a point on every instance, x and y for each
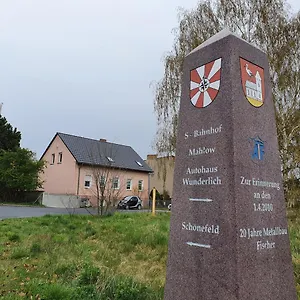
(19, 168)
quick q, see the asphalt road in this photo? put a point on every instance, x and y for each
(10, 211)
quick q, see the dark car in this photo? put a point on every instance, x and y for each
(129, 202)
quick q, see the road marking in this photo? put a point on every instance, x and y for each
(199, 245)
(200, 200)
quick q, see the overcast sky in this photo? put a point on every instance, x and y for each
(84, 67)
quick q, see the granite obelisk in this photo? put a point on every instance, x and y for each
(228, 235)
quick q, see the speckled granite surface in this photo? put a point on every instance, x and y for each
(228, 237)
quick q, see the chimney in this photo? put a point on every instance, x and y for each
(102, 140)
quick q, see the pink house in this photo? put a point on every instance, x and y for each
(78, 166)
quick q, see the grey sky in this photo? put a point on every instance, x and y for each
(84, 67)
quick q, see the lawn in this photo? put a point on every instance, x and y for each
(82, 257)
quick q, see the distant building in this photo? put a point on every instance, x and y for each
(254, 90)
(163, 172)
(72, 162)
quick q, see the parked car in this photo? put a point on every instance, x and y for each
(130, 202)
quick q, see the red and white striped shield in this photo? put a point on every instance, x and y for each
(205, 83)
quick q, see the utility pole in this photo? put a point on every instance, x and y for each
(1, 104)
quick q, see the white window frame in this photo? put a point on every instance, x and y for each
(140, 184)
(86, 179)
(129, 181)
(115, 179)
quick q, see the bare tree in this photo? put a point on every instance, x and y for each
(107, 186)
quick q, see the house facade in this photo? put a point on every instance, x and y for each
(78, 166)
(163, 172)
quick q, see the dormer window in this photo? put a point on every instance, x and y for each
(139, 163)
(109, 159)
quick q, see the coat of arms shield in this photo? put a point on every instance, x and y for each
(205, 83)
(253, 82)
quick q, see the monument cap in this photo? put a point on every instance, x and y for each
(219, 36)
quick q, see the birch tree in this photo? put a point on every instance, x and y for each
(268, 24)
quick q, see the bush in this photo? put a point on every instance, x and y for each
(166, 195)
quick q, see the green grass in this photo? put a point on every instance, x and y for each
(121, 257)
(82, 257)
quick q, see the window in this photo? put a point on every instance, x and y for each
(140, 185)
(116, 183)
(88, 181)
(139, 163)
(102, 181)
(129, 185)
(59, 157)
(52, 159)
(109, 159)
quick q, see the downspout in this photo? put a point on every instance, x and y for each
(149, 189)
(78, 180)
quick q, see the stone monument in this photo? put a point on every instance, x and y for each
(229, 235)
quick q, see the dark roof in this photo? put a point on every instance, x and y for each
(95, 152)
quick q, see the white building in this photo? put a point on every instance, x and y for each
(254, 90)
